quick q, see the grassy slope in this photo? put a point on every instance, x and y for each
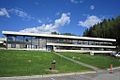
(96, 60)
(16, 63)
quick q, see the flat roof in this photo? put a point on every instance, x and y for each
(56, 36)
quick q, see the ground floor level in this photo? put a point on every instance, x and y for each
(61, 48)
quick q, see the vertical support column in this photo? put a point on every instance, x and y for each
(39, 42)
(31, 42)
(46, 44)
(6, 41)
(15, 42)
(24, 44)
(78, 42)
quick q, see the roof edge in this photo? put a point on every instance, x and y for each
(57, 36)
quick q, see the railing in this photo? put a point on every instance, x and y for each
(79, 45)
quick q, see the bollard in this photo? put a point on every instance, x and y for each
(53, 65)
(111, 70)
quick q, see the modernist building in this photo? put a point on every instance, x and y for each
(58, 43)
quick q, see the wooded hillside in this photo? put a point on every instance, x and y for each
(108, 28)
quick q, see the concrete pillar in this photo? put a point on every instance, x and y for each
(31, 42)
(7, 42)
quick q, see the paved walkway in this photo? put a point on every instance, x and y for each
(104, 75)
(78, 62)
(47, 76)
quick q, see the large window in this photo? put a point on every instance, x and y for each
(19, 38)
(11, 38)
(34, 42)
(42, 43)
(27, 39)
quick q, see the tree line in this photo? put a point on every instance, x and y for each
(68, 34)
(108, 28)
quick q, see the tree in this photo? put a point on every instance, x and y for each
(108, 28)
(69, 34)
(55, 33)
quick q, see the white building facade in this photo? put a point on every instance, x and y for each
(58, 43)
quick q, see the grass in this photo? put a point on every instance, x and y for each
(99, 61)
(22, 63)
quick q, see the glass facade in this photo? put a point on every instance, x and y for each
(28, 42)
(82, 42)
(32, 42)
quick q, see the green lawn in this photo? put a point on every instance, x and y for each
(99, 61)
(17, 63)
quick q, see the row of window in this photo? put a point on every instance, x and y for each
(79, 48)
(26, 46)
(37, 40)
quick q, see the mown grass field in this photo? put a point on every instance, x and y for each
(22, 63)
(99, 61)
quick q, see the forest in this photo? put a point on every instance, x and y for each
(108, 28)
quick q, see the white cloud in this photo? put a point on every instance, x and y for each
(81, 1)
(24, 15)
(48, 19)
(48, 28)
(63, 20)
(92, 7)
(39, 21)
(21, 14)
(4, 12)
(44, 28)
(90, 21)
(74, 1)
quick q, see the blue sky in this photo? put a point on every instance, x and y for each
(46, 16)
